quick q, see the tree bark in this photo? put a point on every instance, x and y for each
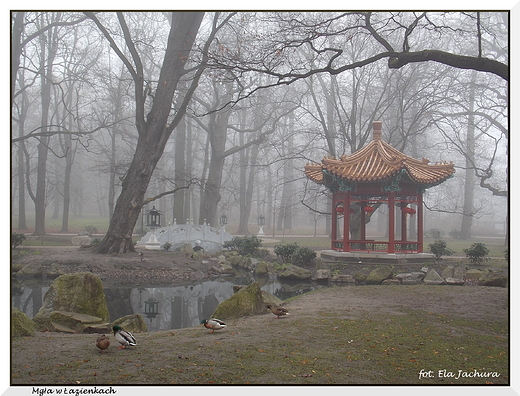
(153, 135)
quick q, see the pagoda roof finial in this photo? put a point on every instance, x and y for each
(376, 133)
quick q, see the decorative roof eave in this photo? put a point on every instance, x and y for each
(379, 162)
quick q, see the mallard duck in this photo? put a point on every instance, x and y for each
(278, 311)
(103, 342)
(125, 338)
(213, 324)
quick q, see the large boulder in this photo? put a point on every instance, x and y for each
(433, 278)
(52, 270)
(133, 323)
(72, 322)
(21, 325)
(270, 299)
(294, 272)
(247, 301)
(378, 275)
(79, 292)
(493, 279)
(473, 274)
(450, 271)
(261, 269)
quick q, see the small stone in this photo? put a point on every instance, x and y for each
(454, 281)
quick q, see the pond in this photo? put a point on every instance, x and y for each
(178, 306)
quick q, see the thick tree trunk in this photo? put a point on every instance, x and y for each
(153, 136)
(43, 145)
(217, 130)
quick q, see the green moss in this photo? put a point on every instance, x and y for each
(79, 292)
(247, 301)
(21, 325)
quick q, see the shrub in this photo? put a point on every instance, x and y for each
(90, 229)
(477, 253)
(455, 234)
(435, 233)
(166, 247)
(286, 251)
(294, 254)
(439, 248)
(246, 245)
(17, 239)
(303, 255)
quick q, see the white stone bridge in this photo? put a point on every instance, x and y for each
(209, 238)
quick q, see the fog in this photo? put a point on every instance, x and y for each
(115, 112)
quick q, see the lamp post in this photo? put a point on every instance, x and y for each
(153, 221)
(261, 223)
(223, 222)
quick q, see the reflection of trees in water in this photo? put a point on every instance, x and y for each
(27, 296)
(118, 302)
(179, 307)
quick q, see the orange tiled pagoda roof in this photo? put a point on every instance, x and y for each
(378, 161)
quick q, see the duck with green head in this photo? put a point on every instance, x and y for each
(125, 338)
(213, 324)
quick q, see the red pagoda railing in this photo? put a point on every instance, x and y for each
(376, 246)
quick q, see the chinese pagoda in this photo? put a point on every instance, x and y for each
(378, 177)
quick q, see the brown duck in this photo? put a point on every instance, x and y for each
(278, 311)
(103, 342)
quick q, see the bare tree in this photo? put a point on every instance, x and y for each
(154, 128)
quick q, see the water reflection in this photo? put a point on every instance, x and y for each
(162, 307)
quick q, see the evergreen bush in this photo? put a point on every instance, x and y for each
(17, 239)
(477, 253)
(294, 254)
(440, 248)
(245, 246)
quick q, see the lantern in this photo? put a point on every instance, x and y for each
(153, 218)
(223, 220)
(261, 223)
(340, 209)
(409, 211)
(261, 220)
(369, 209)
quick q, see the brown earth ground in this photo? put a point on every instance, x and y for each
(348, 335)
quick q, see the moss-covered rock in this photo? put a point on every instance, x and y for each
(359, 277)
(72, 322)
(294, 272)
(247, 301)
(261, 269)
(492, 279)
(270, 299)
(79, 292)
(378, 275)
(21, 325)
(34, 270)
(473, 274)
(132, 323)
